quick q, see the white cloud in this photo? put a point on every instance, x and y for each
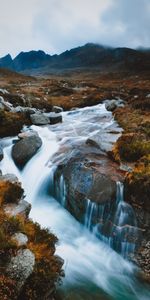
(57, 25)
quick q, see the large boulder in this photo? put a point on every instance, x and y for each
(25, 148)
(39, 119)
(83, 180)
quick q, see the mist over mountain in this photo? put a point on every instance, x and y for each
(88, 56)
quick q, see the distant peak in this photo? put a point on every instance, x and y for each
(7, 56)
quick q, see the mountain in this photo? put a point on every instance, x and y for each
(30, 60)
(6, 62)
(87, 56)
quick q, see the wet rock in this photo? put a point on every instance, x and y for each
(111, 105)
(39, 119)
(26, 134)
(84, 180)
(1, 153)
(20, 238)
(104, 140)
(25, 148)
(55, 118)
(5, 104)
(22, 208)
(27, 110)
(4, 91)
(142, 259)
(21, 266)
(57, 109)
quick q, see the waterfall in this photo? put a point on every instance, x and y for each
(90, 210)
(117, 225)
(126, 223)
(124, 214)
(60, 190)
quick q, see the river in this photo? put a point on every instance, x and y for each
(92, 269)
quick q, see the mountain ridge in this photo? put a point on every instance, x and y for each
(86, 56)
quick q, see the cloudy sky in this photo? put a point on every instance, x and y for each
(57, 25)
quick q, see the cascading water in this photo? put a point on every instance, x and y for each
(60, 190)
(92, 269)
(121, 223)
(90, 210)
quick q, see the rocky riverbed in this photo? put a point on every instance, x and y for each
(88, 163)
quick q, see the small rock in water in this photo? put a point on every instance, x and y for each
(111, 105)
(25, 148)
(39, 119)
(57, 109)
(55, 118)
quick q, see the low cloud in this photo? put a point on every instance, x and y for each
(57, 25)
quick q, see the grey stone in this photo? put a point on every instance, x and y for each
(25, 148)
(9, 177)
(55, 118)
(111, 105)
(39, 119)
(57, 109)
(20, 238)
(22, 208)
(21, 266)
(21, 109)
(26, 134)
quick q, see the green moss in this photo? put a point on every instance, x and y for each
(12, 123)
(138, 184)
(132, 147)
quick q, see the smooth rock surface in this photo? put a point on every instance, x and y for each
(24, 149)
